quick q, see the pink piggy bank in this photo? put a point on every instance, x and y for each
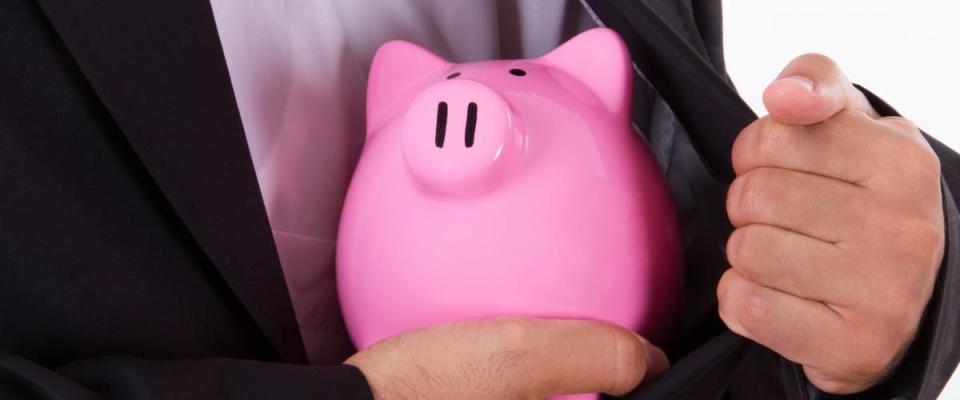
(505, 188)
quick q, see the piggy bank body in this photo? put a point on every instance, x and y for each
(505, 188)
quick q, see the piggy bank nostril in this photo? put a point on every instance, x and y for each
(471, 124)
(441, 124)
(469, 152)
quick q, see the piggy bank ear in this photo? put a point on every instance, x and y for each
(599, 58)
(399, 68)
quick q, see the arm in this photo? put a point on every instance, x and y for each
(133, 379)
(499, 358)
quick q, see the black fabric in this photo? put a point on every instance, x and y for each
(709, 22)
(135, 260)
(710, 115)
(115, 377)
(159, 70)
(135, 257)
(700, 96)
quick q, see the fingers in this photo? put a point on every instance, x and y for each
(509, 358)
(792, 263)
(813, 205)
(588, 357)
(850, 147)
(838, 226)
(796, 328)
(811, 89)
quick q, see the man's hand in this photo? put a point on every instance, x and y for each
(508, 358)
(839, 229)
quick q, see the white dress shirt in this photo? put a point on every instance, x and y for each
(298, 70)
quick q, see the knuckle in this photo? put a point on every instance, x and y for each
(838, 125)
(771, 138)
(845, 121)
(749, 198)
(741, 154)
(768, 185)
(760, 188)
(629, 355)
(931, 164)
(742, 304)
(742, 249)
(906, 125)
(753, 310)
(917, 159)
(927, 239)
(734, 248)
(846, 116)
(724, 293)
(759, 144)
(627, 344)
(927, 164)
(915, 241)
(747, 193)
(733, 200)
(909, 294)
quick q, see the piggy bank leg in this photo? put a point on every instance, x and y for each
(584, 396)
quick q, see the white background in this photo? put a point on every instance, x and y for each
(906, 52)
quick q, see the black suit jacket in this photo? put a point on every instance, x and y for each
(135, 255)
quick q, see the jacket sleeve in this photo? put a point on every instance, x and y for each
(134, 379)
(934, 353)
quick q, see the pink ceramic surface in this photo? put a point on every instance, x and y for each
(484, 193)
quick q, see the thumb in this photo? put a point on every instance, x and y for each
(510, 358)
(811, 89)
(590, 356)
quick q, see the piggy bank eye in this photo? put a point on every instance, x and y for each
(518, 72)
(453, 75)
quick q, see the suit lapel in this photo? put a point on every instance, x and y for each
(673, 58)
(158, 68)
(707, 105)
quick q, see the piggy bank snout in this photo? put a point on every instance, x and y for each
(458, 136)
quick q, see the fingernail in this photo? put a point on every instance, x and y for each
(802, 80)
(656, 360)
